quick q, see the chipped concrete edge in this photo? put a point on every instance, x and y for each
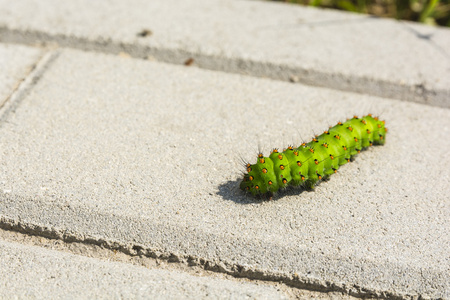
(415, 93)
(237, 271)
(103, 254)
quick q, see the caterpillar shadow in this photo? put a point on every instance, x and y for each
(230, 191)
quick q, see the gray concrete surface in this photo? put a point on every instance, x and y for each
(106, 256)
(16, 62)
(144, 157)
(36, 273)
(319, 47)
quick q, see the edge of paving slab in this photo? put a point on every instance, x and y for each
(208, 265)
(314, 77)
(54, 227)
(27, 83)
(61, 268)
(109, 255)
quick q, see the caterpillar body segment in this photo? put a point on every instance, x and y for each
(309, 163)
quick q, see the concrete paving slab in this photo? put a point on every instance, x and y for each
(38, 273)
(109, 255)
(145, 157)
(16, 62)
(315, 46)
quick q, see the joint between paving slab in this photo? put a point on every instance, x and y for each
(18, 94)
(237, 271)
(417, 92)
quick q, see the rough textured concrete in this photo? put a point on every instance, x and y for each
(197, 272)
(145, 157)
(319, 47)
(16, 62)
(56, 275)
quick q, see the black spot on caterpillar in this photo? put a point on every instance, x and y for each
(309, 163)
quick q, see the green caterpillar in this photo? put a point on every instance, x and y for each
(317, 160)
